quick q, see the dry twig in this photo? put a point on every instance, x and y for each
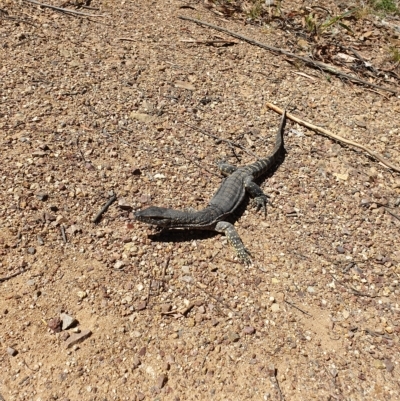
(296, 307)
(105, 208)
(63, 234)
(64, 10)
(2, 279)
(308, 61)
(209, 42)
(325, 132)
(230, 143)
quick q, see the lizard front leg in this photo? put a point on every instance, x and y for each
(233, 237)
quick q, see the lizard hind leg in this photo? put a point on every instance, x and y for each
(260, 198)
(233, 237)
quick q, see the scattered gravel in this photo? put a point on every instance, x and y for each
(86, 113)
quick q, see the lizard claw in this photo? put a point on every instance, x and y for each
(261, 203)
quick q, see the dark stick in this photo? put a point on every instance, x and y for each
(296, 307)
(393, 214)
(63, 234)
(63, 10)
(2, 279)
(105, 208)
(306, 60)
(149, 292)
(230, 143)
(199, 165)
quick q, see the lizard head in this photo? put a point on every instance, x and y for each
(158, 216)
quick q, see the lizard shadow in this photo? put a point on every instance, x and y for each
(185, 235)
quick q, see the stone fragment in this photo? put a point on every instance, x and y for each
(39, 153)
(67, 321)
(54, 324)
(77, 338)
(340, 249)
(275, 308)
(187, 279)
(161, 381)
(249, 330)
(81, 294)
(141, 305)
(311, 290)
(135, 362)
(170, 359)
(43, 196)
(31, 250)
(119, 264)
(389, 365)
(124, 205)
(12, 351)
(166, 308)
(234, 337)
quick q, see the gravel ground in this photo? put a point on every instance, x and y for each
(91, 107)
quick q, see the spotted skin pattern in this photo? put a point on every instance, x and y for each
(230, 195)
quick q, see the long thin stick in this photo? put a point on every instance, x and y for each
(11, 276)
(105, 208)
(64, 10)
(230, 143)
(307, 60)
(325, 132)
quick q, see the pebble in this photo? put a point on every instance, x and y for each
(346, 314)
(54, 324)
(141, 306)
(39, 153)
(249, 330)
(378, 364)
(119, 264)
(124, 205)
(311, 290)
(77, 338)
(161, 381)
(233, 336)
(389, 365)
(389, 329)
(12, 351)
(170, 359)
(186, 269)
(42, 196)
(340, 249)
(81, 294)
(67, 321)
(275, 308)
(187, 279)
(31, 250)
(136, 362)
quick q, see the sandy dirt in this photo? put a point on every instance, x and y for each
(96, 106)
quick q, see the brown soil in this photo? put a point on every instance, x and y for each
(85, 114)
